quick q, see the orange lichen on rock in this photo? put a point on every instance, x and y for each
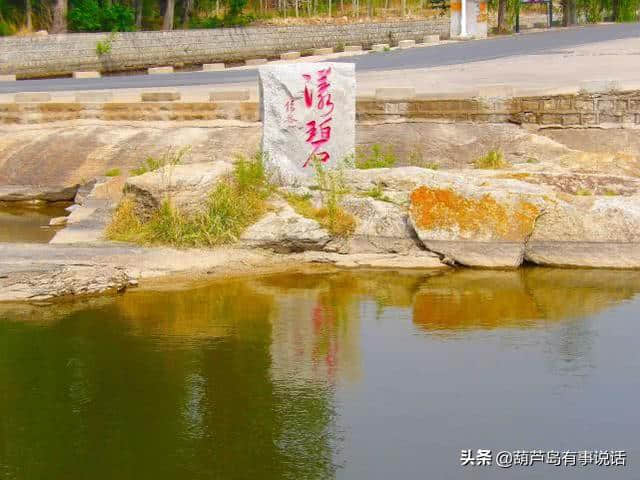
(482, 218)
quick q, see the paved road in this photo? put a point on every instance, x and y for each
(441, 55)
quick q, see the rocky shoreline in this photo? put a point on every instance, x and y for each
(560, 215)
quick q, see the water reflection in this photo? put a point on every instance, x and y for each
(243, 378)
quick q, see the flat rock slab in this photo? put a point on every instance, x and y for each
(24, 193)
(308, 113)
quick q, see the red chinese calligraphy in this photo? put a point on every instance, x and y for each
(318, 131)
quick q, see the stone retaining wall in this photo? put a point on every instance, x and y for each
(39, 56)
(579, 110)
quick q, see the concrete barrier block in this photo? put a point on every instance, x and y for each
(255, 61)
(92, 74)
(212, 67)
(598, 86)
(171, 96)
(289, 55)
(431, 39)
(229, 95)
(379, 47)
(353, 48)
(93, 97)
(395, 93)
(406, 43)
(323, 51)
(498, 90)
(7, 78)
(32, 97)
(159, 70)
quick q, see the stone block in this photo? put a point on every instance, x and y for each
(32, 97)
(323, 51)
(431, 39)
(353, 48)
(160, 96)
(7, 78)
(599, 86)
(380, 47)
(395, 93)
(289, 55)
(308, 112)
(255, 61)
(229, 95)
(497, 90)
(93, 97)
(406, 43)
(88, 74)
(212, 67)
(159, 70)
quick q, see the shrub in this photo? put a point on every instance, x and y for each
(90, 16)
(6, 29)
(113, 172)
(494, 159)
(376, 157)
(233, 205)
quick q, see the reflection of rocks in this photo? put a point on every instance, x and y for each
(495, 299)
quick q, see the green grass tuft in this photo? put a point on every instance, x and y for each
(376, 157)
(170, 158)
(493, 160)
(113, 172)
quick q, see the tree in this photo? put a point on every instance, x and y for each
(28, 15)
(59, 24)
(502, 16)
(568, 12)
(167, 23)
(188, 7)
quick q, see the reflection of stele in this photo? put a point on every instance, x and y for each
(311, 341)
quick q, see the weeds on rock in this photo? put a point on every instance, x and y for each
(235, 203)
(330, 215)
(170, 158)
(377, 157)
(112, 172)
(493, 160)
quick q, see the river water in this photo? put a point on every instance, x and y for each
(29, 223)
(349, 375)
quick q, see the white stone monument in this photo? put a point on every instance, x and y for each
(308, 112)
(468, 19)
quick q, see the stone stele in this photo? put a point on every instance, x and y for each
(308, 111)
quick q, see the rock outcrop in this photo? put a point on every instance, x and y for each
(474, 228)
(588, 232)
(284, 230)
(187, 186)
(28, 193)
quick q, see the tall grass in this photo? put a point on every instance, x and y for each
(235, 203)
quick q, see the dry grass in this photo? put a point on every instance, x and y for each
(332, 217)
